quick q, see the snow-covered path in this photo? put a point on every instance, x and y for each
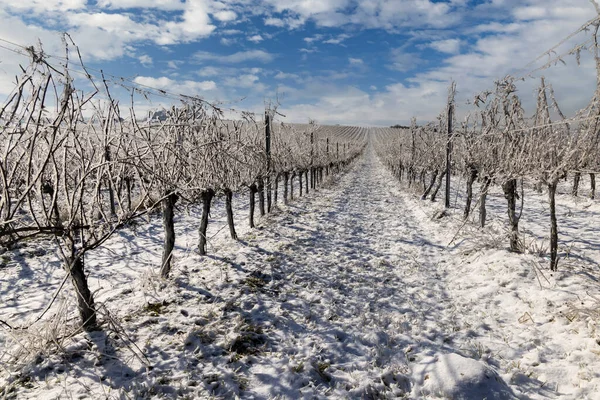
(350, 292)
(365, 297)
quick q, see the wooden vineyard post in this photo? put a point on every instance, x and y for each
(449, 143)
(411, 168)
(268, 152)
(276, 189)
(553, 225)
(260, 184)
(327, 156)
(286, 178)
(312, 163)
(337, 156)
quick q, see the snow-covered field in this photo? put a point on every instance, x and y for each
(354, 291)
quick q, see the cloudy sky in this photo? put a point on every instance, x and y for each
(355, 62)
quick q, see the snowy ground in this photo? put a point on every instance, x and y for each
(355, 291)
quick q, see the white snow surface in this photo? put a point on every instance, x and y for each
(356, 290)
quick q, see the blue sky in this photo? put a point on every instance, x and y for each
(356, 62)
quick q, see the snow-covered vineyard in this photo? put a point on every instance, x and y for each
(357, 290)
(204, 251)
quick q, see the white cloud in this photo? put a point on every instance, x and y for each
(290, 23)
(544, 10)
(386, 14)
(41, 6)
(209, 71)
(145, 60)
(230, 32)
(404, 61)
(277, 22)
(495, 27)
(14, 30)
(449, 46)
(228, 41)
(530, 12)
(173, 64)
(284, 75)
(125, 4)
(114, 23)
(338, 39)
(225, 16)
(255, 38)
(191, 88)
(94, 43)
(355, 61)
(346, 104)
(109, 35)
(244, 81)
(195, 24)
(308, 7)
(236, 58)
(315, 38)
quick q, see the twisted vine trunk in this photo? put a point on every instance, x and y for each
(482, 201)
(253, 190)
(510, 193)
(168, 209)
(306, 181)
(576, 179)
(430, 186)
(128, 188)
(438, 186)
(48, 188)
(470, 180)
(85, 299)
(229, 211)
(207, 196)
